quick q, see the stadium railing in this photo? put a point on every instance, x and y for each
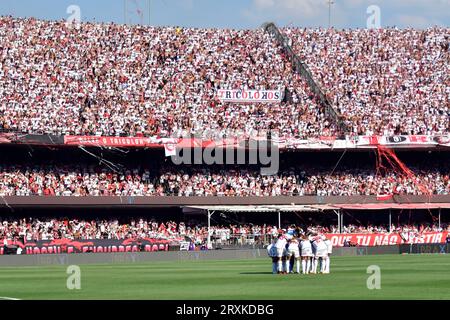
(241, 240)
(301, 68)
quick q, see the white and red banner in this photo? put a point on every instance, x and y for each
(369, 142)
(385, 239)
(384, 197)
(136, 142)
(248, 96)
(170, 147)
(106, 141)
(320, 143)
(415, 141)
(442, 140)
(407, 141)
(96, 246)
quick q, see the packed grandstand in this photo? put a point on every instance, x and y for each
(108, 80)
(88, 112)
(34, 229)
(186, 182)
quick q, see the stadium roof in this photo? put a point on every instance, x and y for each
(384, 206)
(263, 208)
(317, 208)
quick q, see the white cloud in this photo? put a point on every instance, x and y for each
(414, 21)
(263, 4)
(293, 8)
(351, 13)
(354, 3)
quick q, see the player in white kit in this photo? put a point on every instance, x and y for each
(293, 251)
(329, 250)
(273, 254)
(307, 254)
(321, 253)
(281, 252)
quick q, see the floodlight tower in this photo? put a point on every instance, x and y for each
(135, 9)
(330, 2)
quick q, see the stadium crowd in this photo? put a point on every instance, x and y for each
(384, 81)
(16, 180)
(33, 229)
(108, 79)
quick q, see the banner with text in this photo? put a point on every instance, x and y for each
(248, 96)
(380, 239)
(319, 143)
(87, 246)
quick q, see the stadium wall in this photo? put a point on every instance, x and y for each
(130, 201)
(139, 257)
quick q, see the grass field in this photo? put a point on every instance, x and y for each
(402, 277)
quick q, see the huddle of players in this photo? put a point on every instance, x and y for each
(312, 252)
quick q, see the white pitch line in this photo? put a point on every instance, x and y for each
(8, 298)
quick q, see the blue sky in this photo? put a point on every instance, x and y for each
(240, 13)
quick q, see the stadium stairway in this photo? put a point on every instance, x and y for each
(302, 69)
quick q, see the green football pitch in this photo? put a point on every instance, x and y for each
(402, 277)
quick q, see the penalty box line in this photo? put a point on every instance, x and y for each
(8, 298)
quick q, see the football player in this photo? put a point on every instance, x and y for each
(272, 252)
(281, 252)
(294, 251)
(306, 254)
(329, 251)
(320, 253)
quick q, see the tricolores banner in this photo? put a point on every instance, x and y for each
(248, 96)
